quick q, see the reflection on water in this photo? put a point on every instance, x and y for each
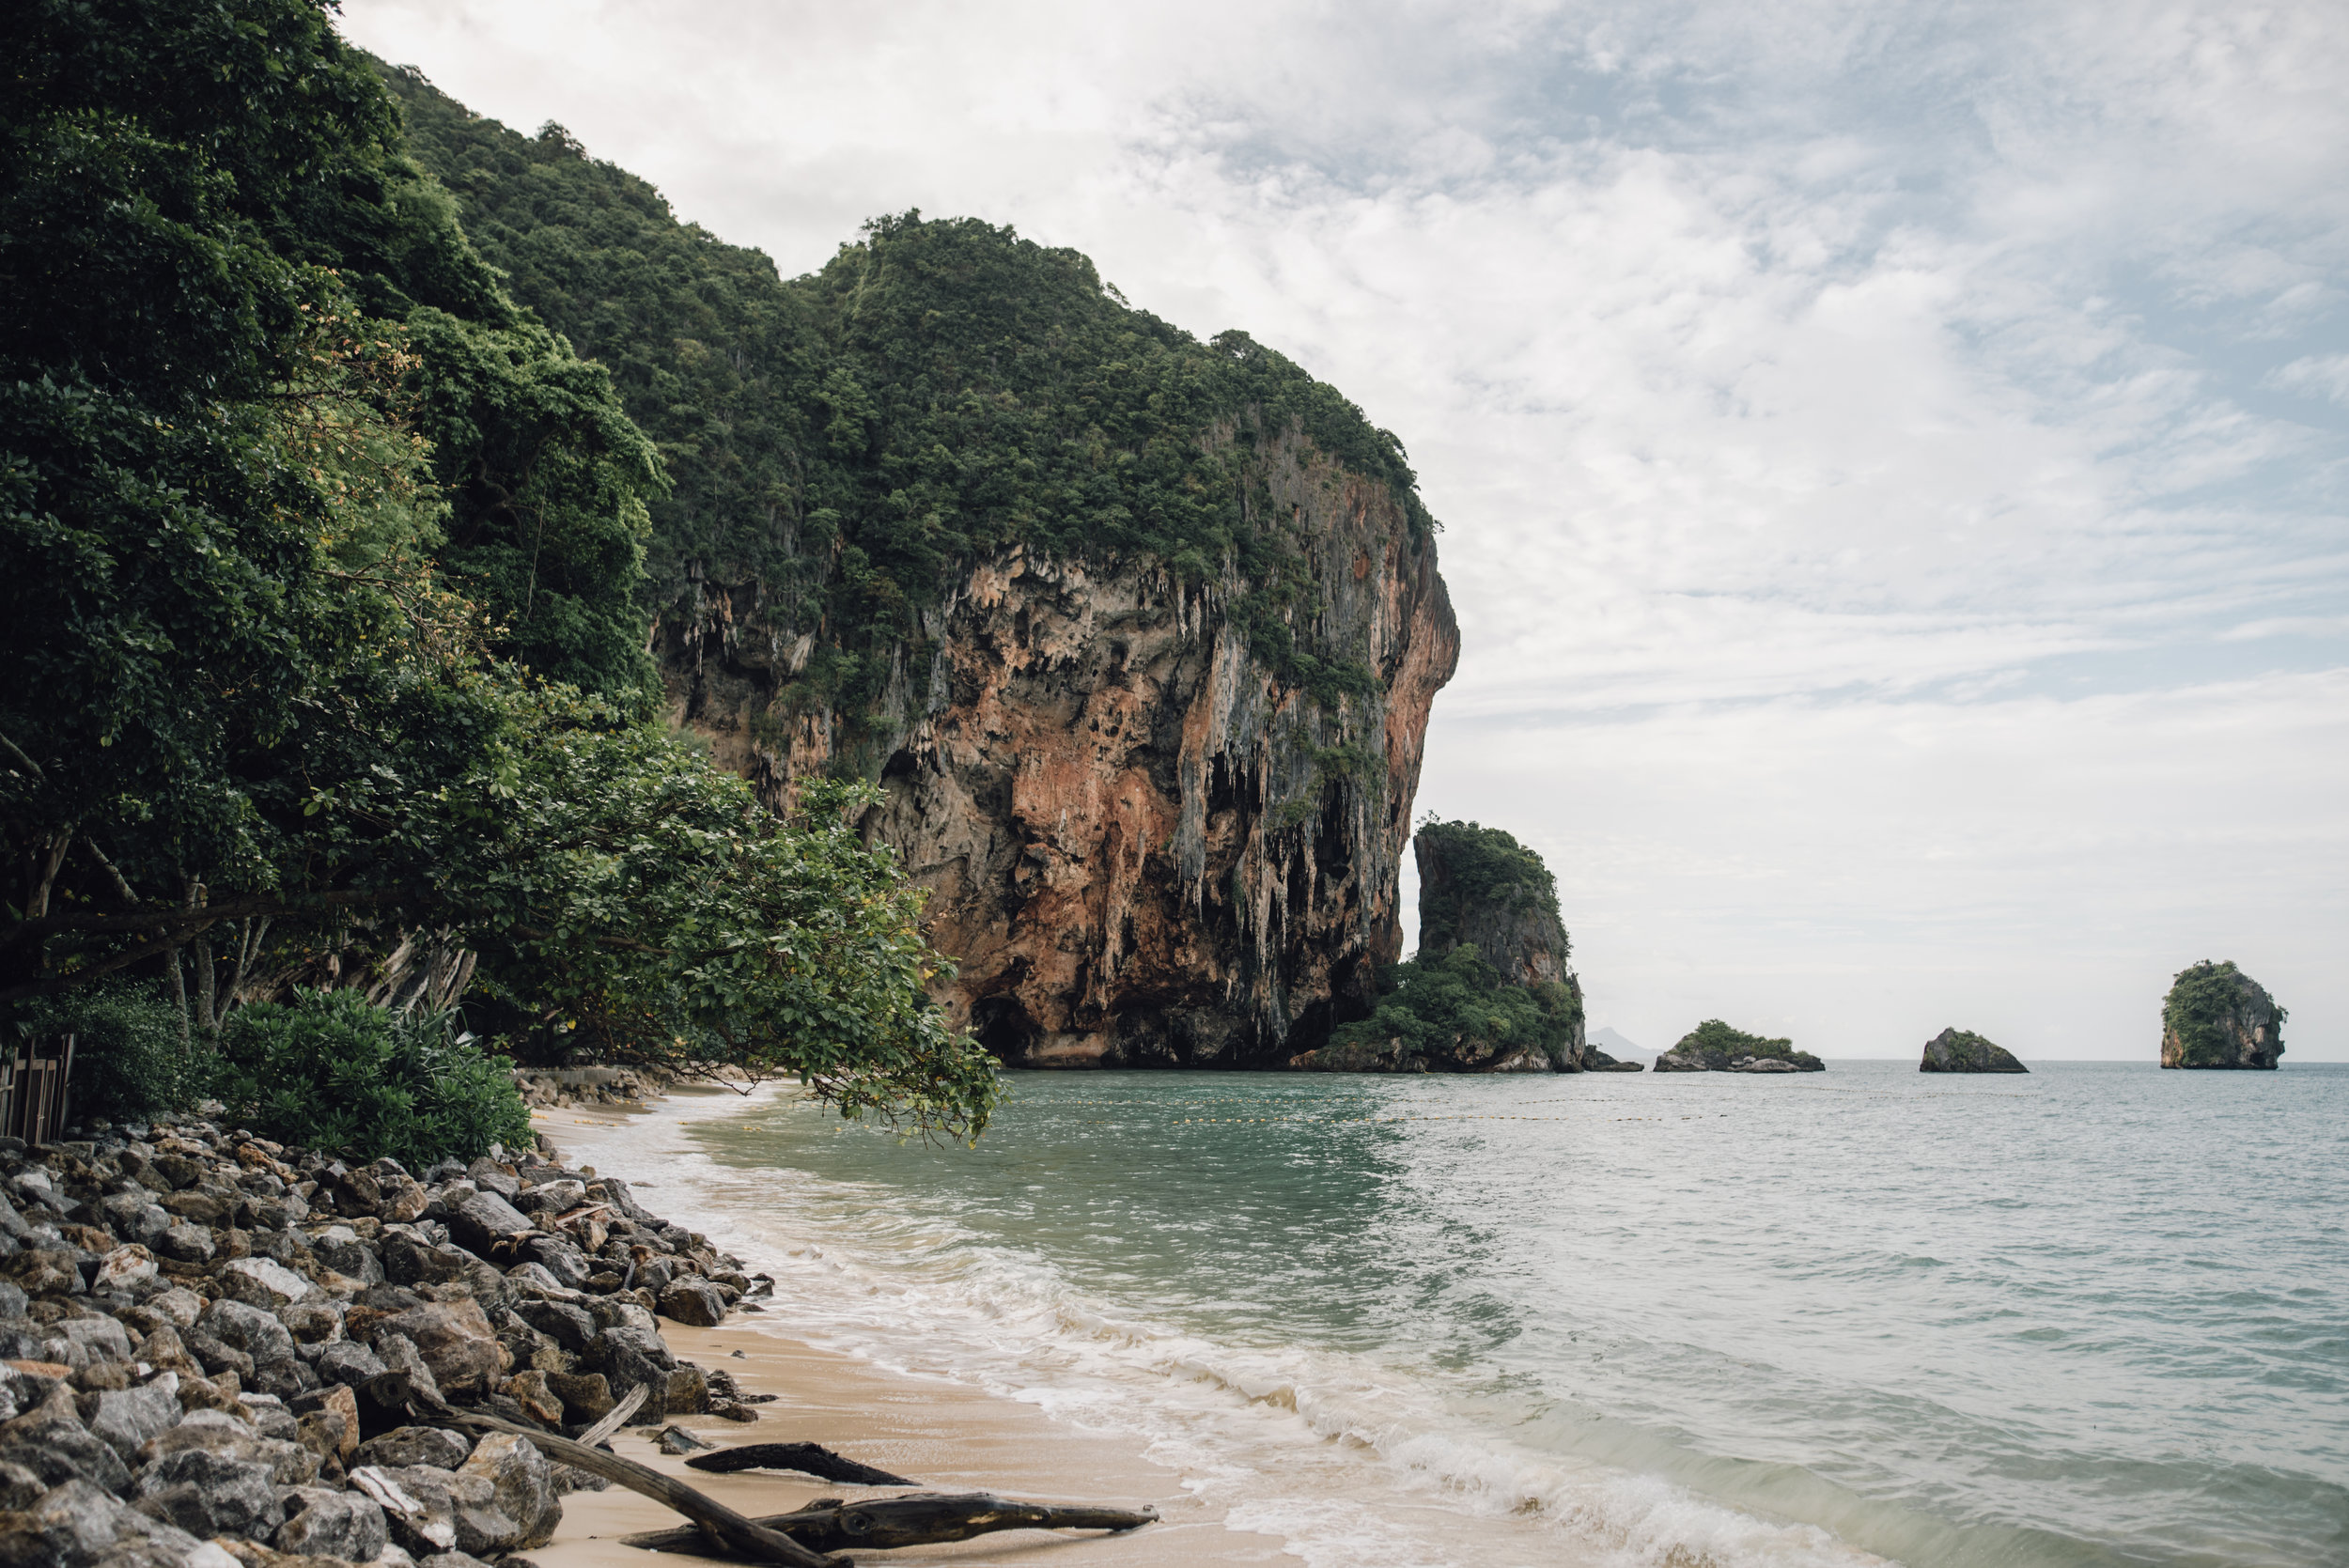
(2087, 1317)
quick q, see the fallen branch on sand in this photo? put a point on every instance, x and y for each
(922, 1519)
(720, 1527)
(807, 1458)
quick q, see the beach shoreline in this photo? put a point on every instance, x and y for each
(948, 1436)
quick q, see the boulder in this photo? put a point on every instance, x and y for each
(346, 1525)
(522, 1485)
(122, 1267)
(431, 1511)
(568, 1326)
(1961, 1051)
(695, 1302)
(456, 1341)
(79, 1525)
(2216, 1016)
(44, 1271)
(185, 1243)
(346, 1362)
(536, 1396)
(405, 1446)
(231, 1435)
(50, 1441)
(483, 1220)
(264, 1284)
(587, 1396)
(261, 1338)
(339, 1248)
(127, 1419)
(209, 1492)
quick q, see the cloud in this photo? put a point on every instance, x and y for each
(1788, 377)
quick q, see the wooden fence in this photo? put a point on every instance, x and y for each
(33, 1088)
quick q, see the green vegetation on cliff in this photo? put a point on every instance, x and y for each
(2216, 1016)
(1485, 869)
(319, 574)
(853, 440)
(1483, 900)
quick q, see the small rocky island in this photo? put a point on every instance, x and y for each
(1962, 1050)
(1491, 990)
(2216, 1016)
(1713, 1046)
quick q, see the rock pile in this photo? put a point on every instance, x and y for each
(589, 1086)
(209, 1345)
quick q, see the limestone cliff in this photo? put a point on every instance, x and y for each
(2216, 1016)
(1147, 839)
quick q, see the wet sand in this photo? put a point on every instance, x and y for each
(949, 1437)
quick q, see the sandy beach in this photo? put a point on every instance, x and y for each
(948, 1436)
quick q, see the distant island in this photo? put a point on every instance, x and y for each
(2216, 1016)
(1713, 1046)
(1962, 1050)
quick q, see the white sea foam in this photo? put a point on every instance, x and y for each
(1355, 1463)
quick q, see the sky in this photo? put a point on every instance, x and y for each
(1893, 457)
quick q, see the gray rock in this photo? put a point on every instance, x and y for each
(432, 1510)
(521, 1486)
(695, 1302)
(483, 1220)
(676, 1440)
(209, 1492)
(614, 1311)
(401, 1356)
(12, 1224)
(52, 1442)
(568, 1326)
(19, 1486)
(79, 1525)
(102, 1339)
(566, 1263)
(456, 1341)
(217, 1355)
(133, 1216)
(264, 1284)
(324, 1523)
(1961, 1051)
(127, 1419)
(184, 1243)
(12, 1300)
(404, 1446)
(340, 1249)
(314, 1324)
(487, 1175)
(216, 1431)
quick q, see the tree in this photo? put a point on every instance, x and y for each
(316, 565)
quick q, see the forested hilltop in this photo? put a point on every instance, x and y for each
(1138, 631)
(322, 597)
(854, 438)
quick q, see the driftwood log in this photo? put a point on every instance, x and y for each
(807, 1458)
(922, 1519)
(720, 1527)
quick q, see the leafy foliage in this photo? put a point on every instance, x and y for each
(1435, 1004)
(301, 523)
(1719, 1045)
(941, 389)
(2206, 1000)
(133, 1055)
(328, 1071)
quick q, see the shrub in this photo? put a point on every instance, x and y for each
(1435, 1004)
(328, 1071)
(132, 1055)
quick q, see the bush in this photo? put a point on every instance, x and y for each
(1436, 1004)
(132, 1057)
(329, 1072)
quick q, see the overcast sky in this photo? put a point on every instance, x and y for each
(1893, 457)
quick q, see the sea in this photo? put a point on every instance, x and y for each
(2093, 1316)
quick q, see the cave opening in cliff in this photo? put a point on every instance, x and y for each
(1002, 1026)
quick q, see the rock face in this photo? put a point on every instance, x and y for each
(1149, 837)
(1713, 1046)
(2216, 1016)
(1961, 1051)
(1490, 990)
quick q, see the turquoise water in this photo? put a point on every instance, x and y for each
(2097, 1315)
